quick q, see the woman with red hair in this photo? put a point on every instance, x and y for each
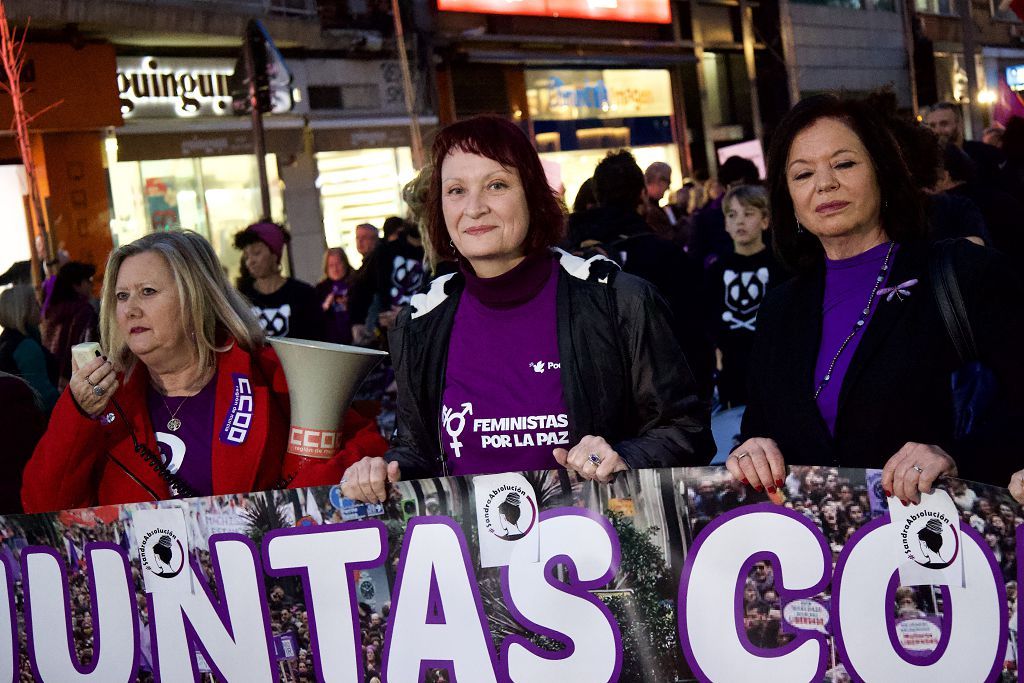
(528, 358)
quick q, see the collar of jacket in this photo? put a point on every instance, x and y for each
(235, 466)
(909, 261)
(594, 269)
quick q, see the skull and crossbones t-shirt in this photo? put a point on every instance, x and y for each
(737, 285)
(291, 311)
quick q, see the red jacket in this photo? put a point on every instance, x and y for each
(74, 466)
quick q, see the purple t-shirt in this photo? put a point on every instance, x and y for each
(187, 451)
(502, 408)
(848, 284)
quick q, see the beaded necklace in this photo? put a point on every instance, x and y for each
(857, 325)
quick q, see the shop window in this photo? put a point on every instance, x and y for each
(214, 196)
(725, 78)
(14, 236)
(361, 186)
(575, 166)
(1001, 11)
(943, 7)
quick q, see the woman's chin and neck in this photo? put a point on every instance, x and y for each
(493, 266)
(175, 373)
(269, 283)
(838, 247)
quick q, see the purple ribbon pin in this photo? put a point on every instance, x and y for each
(899, 291)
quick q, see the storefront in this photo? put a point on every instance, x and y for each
(582, 78)
(183, 160)
(1004, 73)
(361, 186)
(578, 116)
(361, 138)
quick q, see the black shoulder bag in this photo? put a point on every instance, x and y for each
(974, 384)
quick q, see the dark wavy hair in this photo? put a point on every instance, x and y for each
(902, 213)
(503, 141)
(70, 275)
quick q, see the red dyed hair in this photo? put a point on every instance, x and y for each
(503, 141)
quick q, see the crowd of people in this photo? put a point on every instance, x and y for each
(595, 340)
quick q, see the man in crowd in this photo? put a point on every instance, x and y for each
(366, 239)
(657, 179)
(946, 120)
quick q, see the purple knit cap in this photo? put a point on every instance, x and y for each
(270, 234)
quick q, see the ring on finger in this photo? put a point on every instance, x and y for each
(97, 390)
(917, 468)
(740, 456)
(89, 381)
(594, 459)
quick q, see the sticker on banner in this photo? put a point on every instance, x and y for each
(506, 517)
(161, 539)
(806, 615)
(928, 540)
(919, 636)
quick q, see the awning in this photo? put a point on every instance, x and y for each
(331, 135)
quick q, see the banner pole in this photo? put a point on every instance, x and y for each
(258, 136)
(407, 88)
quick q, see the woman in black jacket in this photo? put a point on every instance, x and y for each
(852, 364)
(528, 358)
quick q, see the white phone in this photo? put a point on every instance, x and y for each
(85, 352)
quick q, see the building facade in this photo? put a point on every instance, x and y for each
(971, 52)
(171, 152)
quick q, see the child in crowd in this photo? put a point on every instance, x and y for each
(736, 285)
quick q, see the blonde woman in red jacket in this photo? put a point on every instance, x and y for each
(188, 401)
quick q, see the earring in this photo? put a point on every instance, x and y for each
(799, 228)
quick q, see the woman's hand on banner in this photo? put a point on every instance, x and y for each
(592, 458)
(758, 462)
(367, 480)
(914, 470)
(1016, 486)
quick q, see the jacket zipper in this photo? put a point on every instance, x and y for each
(437, 414)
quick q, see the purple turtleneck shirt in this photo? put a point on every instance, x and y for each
(848, 284)
(502, 407)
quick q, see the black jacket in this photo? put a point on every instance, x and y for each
(898, 386)
(623, 375)
(626, 238)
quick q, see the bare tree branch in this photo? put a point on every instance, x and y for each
(12, 57)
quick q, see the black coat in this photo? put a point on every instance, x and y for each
(623, 375)
(626, 238)
(897, 389)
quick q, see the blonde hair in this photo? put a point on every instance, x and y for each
(210, 306)
(17, 305)
(415, 194)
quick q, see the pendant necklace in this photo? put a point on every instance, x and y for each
(857, 325)
(174, 424)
